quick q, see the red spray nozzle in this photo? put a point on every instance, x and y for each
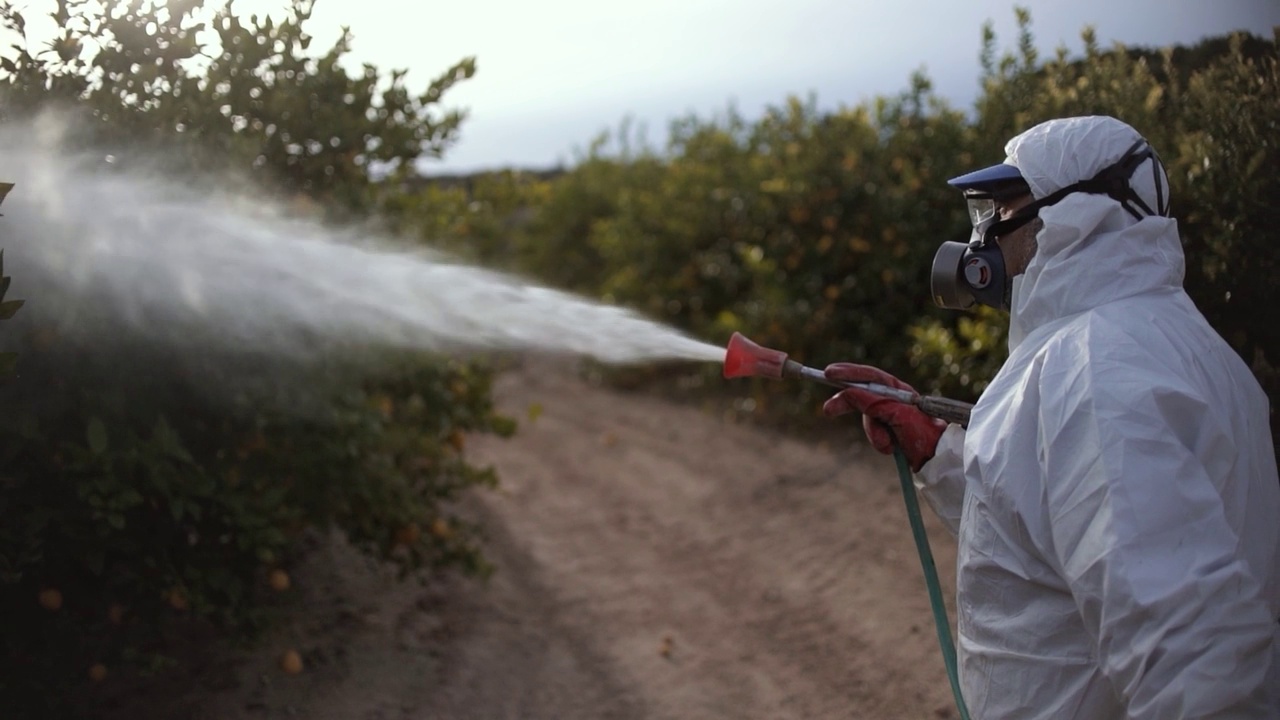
(747, 359)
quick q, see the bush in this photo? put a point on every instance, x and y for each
(814, 231)
(809, 232)
(145, 484)
(1210, 111)
(133, 509)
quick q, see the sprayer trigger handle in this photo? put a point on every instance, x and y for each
(953, 411)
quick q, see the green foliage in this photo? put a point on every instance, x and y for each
(119, 497)
(807, 231)
(476, 218)
(253, 99)
(143, 486)
(7, 310)
(813, 231)
(1211, 111)
(959, 360)
(1226, 182)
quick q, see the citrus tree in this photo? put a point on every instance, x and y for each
(813, 231)
(141, 488)
(1209, 110)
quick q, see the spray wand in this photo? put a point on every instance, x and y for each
(745, 358)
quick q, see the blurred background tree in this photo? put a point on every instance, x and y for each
(813, 231)
(138, 499)
(249, 97)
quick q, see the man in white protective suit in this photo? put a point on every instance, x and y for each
(1115, 495)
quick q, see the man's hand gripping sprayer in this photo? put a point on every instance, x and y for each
(744, 358)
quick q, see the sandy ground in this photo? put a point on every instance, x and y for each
(652, 561)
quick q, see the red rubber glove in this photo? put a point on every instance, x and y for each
(885, 420)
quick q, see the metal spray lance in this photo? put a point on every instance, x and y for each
(744, 358)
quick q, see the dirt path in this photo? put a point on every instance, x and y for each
(652, 562)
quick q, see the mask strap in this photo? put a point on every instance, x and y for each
(1024, 215)
(1112, 181)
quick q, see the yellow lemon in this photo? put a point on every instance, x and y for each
(279, 580)
(291, 662)
(50, 599)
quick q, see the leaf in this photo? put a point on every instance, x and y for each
(95, 561)
(8, 361)
(169, 441)
(8, 309)
(97, 436)
(535, 411)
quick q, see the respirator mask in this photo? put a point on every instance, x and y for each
(971, 273)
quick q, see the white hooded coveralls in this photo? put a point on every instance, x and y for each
(1115, 496)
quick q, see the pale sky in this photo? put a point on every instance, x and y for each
(554, 73)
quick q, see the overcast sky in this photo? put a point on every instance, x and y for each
(554, 73)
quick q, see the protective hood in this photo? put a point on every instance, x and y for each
(1115, 494)
(1091, 250)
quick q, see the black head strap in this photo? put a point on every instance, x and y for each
(1112, 181)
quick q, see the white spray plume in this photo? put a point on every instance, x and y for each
(169, 260)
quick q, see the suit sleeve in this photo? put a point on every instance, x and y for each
(1133, 463)
(941, 479)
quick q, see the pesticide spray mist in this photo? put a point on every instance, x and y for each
(194, 266)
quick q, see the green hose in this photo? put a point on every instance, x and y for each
(940, 621)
